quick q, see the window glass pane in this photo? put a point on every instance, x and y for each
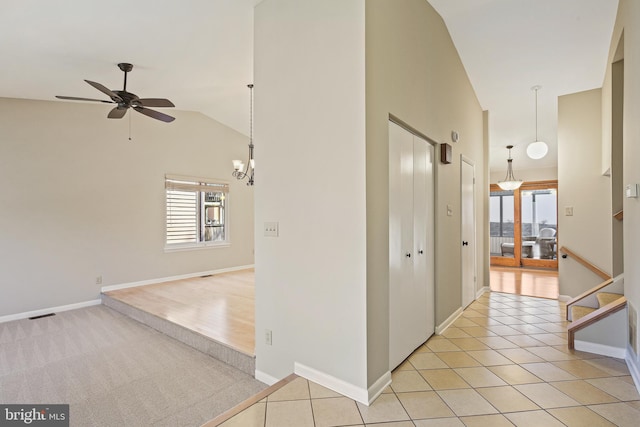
(213, 217)
(539, 223)
(501, 215)
(494, 212)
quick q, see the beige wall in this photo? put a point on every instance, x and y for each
(80, 200)
(322, 286)
(414, 73)
(582, 186)
(310, 148)
(628, 22)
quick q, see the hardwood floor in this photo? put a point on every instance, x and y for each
(524, 281)
(221, 307)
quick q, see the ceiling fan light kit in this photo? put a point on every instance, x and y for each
(125, 100)
(538, 149)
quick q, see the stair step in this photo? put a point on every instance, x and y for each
(605, 298)
(578, 311)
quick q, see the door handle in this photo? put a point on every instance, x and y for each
(408, 254)
(420, 252)
(465, 243)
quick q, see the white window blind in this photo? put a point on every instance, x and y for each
(182, 217)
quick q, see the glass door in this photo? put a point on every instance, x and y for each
(504, 230)
(523, 225)
(539, 217)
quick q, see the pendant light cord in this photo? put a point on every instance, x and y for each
(536, 114)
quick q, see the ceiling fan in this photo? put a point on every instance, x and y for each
(126, 100)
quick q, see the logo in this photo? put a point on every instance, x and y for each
(34, 415)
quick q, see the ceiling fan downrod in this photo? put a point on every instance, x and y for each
(126, 67)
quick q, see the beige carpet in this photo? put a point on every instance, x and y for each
(114, 371)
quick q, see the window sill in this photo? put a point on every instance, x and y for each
(196, 247)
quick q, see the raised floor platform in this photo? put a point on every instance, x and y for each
(213, 314)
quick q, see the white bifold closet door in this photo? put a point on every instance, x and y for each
(411, 249)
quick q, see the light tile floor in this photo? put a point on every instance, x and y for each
(503, 362)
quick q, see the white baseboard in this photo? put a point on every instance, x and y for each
(482, 290)
(633, 363)
(601, 349)
(378, 387)
(172, 278)
(43, 311)
(336, 384)
(444, 325)
(564, 298)
(265, 378)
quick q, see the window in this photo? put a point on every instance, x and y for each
(196, 212)
(501, 213)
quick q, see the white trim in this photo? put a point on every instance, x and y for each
(265, 378)
(633, 365)
(444, 325)
(378, 387)
(482, 290)
(27, 314)
(336, 384)
(601, 349)
(172, 278)
(564, 298)
(196, 246)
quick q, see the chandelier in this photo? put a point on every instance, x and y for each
(240, 170)
(510, 183)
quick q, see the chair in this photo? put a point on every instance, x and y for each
(547, 242)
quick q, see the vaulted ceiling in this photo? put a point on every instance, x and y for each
(198, 53)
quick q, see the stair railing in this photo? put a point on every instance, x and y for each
(566, 252)
(592, 318)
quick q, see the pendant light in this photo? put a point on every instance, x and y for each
(239, 171)
(510, 183)
(538, 149)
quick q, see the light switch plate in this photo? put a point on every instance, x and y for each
(568, 211)
(631, 191)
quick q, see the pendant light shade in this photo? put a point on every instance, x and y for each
(510, 183)
(538, 149)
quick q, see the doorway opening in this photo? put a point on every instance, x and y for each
(524, 225)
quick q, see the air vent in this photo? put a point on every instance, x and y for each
(41, 316)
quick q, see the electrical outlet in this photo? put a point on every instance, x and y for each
(99, 280)
(268, 337)
(271, 229)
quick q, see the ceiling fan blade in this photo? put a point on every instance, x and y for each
(114, 96)
(154, 102)
(154, 114)
(117, 113)
(75, 98)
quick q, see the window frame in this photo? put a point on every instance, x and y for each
(200, 186)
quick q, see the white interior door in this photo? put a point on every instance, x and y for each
(468, 251)
(411, 294)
